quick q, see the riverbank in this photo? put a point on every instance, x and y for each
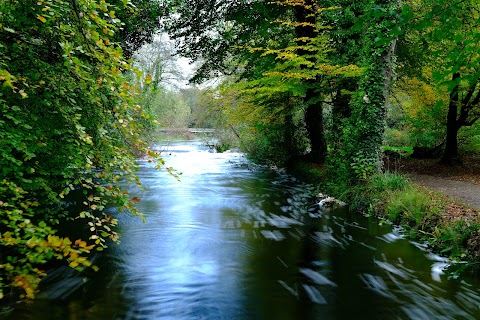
(448, 225)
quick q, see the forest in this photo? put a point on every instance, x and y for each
(86, 87)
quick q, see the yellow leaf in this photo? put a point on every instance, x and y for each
(41, 18)
(148, 79)
(30, 292)
(23, 94)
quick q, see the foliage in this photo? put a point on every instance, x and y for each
(161, 99)
(67, 119)
(450, 35)
(167, 109)
(215, 32)
(409, 208)
(290, 78)
(423, 117)
(358, 155)
(397, 137)
(208, 111)
(470, 138)
(158, 64)
(139, 23)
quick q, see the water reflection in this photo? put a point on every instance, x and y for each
(228, 242)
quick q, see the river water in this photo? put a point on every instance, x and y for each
(235, 241)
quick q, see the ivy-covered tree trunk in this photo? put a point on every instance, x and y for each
(305, 29)
(366, 133)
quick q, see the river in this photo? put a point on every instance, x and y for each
(236, 241)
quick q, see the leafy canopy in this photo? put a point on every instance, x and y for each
(67, 127)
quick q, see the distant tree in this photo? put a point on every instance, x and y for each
(159, 64)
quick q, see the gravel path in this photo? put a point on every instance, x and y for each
(466, 192)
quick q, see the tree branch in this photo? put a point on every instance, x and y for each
(470, 93)
(471, 121)
(476, 100)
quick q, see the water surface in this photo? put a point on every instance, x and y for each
(235, 241)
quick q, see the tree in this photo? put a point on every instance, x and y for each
(67, 127)
(421, 117)
(248, 39)
(139, 23)
(215, 33)
(306, 29)
(461, 73)
(158, 83)
(159, 65)
(363, 33)
(448, 34)
(225, 36)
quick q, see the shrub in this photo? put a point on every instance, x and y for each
(396, 137)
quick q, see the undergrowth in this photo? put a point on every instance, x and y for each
(423, 214)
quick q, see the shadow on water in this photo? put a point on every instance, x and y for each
(228, 242)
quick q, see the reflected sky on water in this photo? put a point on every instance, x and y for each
(236, 241)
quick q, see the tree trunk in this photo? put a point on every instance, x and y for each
(369, 112)
(288, 138)
(451, 156)
(341, 108)
(314, 124)
(305, 16)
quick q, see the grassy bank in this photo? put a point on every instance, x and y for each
(450, 228)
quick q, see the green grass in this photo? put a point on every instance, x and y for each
(404, 151)
(409, 207)
(389, 181)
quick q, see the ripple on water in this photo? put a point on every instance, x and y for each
(229, 243)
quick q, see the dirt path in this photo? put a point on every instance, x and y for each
(459, 182)
(466, 192)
